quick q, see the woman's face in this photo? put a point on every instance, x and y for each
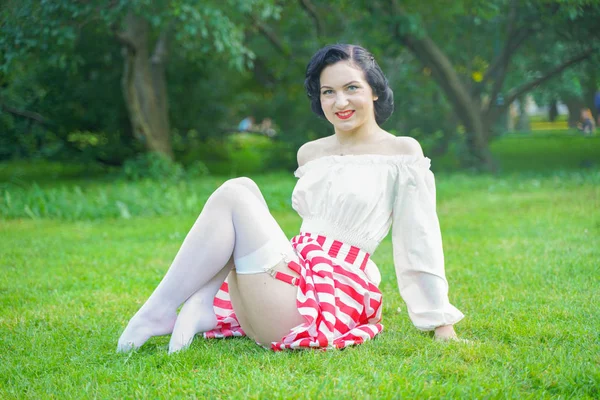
(346, 97)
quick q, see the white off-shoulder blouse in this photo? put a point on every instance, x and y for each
(356, 198)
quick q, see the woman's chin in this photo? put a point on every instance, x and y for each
(345, 127)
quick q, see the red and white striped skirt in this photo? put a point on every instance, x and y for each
(340, 306)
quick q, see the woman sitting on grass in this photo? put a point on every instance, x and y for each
(321, 288)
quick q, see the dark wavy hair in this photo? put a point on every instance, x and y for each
(360, 57)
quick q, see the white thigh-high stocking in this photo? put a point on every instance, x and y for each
(234, 222)
(197, 314)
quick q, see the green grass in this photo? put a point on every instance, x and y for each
(85, 200)
(73, 192)
(547, 151)
(522, 252)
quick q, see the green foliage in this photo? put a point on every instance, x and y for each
(20, 38)
(248, 153)
(152, 166)
(201, 27)
(24, 172)
(82, 92)
(230, 59)
(237, 154)
(71, 101)
(197, 169)
(244, 154)
(158, 188)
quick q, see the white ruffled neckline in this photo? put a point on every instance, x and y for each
(365, 159)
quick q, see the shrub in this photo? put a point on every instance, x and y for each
(154, 166)
(197, 169)
(242, 154)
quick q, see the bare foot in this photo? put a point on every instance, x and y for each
(143, 326)
(445, 333)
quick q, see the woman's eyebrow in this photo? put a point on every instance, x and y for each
(347, 84)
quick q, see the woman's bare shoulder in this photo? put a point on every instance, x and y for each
(312, 150)
(404, 145)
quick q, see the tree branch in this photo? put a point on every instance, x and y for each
(513, 94)
(262, 74)
(513, 42)
(515, 37)
(271, 37)
(135, 27)
(31, 115)
(312, 11)
(431, 56)
(517, 92)
(125, 40)
(499, 69)
(160, 49)
(512, 16)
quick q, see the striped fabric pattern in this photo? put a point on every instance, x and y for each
(227, 323)
(341, 307)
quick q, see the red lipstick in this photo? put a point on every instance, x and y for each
(345, 114)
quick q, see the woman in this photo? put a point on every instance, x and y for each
(320, 289)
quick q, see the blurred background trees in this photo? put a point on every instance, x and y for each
(108, 81)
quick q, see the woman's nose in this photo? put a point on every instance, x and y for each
(341, 101)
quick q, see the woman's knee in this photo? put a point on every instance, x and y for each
(243, 181)
(250, 185)
(236, 189)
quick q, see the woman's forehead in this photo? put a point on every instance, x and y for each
(341, 73)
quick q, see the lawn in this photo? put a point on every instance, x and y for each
(522, 257)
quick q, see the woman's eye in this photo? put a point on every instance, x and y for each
(327, 92)
(352, 88)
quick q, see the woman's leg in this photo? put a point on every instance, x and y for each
(197, 314)
(266, 308)
(233, 222)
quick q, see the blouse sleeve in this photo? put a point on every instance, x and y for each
(418, 253)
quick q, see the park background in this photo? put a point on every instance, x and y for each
(118, 119)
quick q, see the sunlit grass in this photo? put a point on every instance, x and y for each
(547, 151)
(78, 200)
(522, 263)
(522, 257)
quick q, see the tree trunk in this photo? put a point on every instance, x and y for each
(523, 122)
(144, 86)
(553, 110)
(448, 127)
(574, 105)
(466, 109)
(590, 83)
